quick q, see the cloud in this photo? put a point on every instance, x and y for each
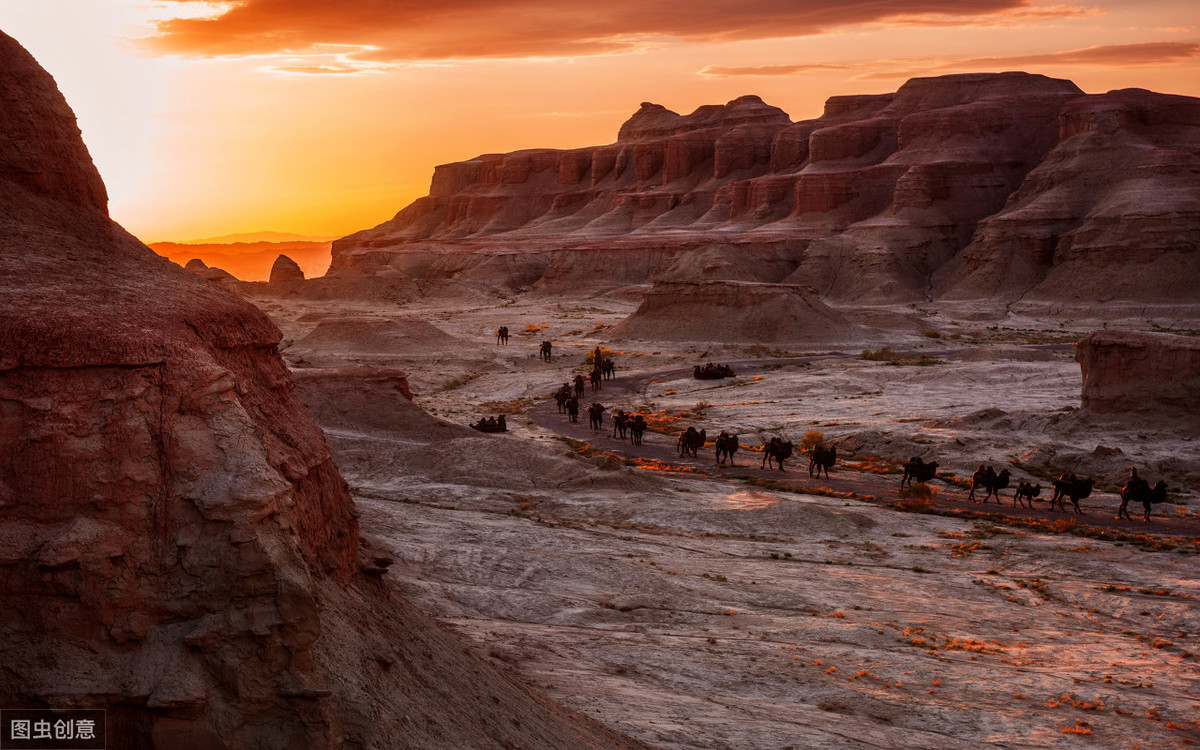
(1112, 55)
(398, 31)
(719, 71)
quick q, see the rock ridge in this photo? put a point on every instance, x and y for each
(980, 185)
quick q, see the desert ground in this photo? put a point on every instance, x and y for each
(693, 606)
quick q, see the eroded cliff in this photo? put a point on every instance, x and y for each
(959, 187)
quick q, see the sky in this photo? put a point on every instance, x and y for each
(323, 117)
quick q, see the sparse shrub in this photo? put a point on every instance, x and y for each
(590, 359)
(812, 439)
(453, 383)
(882, 354)
(916, 498)
(932, 334)
(1065, 525)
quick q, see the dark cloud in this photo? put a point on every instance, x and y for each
(412, 30)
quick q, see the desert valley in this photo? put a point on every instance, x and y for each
(242, 514)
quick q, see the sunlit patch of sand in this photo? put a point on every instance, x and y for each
(745, 500)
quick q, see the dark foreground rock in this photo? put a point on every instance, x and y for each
(176, 544)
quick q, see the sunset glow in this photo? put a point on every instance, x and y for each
(321, 117)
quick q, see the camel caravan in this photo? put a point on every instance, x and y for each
(712, 371)
(986, 481)
(491, 424)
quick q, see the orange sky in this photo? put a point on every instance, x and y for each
(323, 117)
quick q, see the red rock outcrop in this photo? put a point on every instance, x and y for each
(1152, 376)
(962, 186)
(176, 544)
(285, 269)
(204, 271)
(733, 311)
(1113, 212)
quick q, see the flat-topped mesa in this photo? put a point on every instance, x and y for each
(733, 311)
(1151, 376)
(876, 197)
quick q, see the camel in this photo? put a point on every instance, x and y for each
(1027, 491)
(578, 386)
(916, 470)
(573, 409)
(502, 335)
(637, 428)
(987, 478)
(608, 369)
(620, 423)
(691, 441)
(544, 352)
(561, 396)
(595, 416)
(596, 377)
(1139, 490)
(1069, 486)
(778, 450)
(727, 445)
(821, 457)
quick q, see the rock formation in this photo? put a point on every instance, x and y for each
(1152, 376)
(1113, 211)
(285, 269)
(963, 186)
(176, 545)
(204, 271)
(733, 311)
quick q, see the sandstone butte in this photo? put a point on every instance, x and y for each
(1005, 186)
(285, 269)
(1128, 373)
(176, 545)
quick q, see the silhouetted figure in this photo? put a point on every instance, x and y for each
(727, 445)
(916, 470)
(776, 450)
(821, 458)
(502, 335)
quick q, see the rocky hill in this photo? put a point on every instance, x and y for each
(176, 544)
(1001, 186)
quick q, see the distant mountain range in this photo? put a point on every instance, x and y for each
(250, 261)
(229, 239)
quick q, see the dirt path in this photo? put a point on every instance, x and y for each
(660, 450)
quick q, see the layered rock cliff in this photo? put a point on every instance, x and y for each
(1152, 376)
(176, 544)
(962, 186)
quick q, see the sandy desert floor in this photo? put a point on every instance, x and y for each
(694, 607)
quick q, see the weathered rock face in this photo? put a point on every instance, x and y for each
(285, 269)
(732, 311)
(204, 271)
(1149, 375)
(956, 187)
(176, 544)
(1112, 212)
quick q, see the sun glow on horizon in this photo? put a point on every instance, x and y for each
(203, 123)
